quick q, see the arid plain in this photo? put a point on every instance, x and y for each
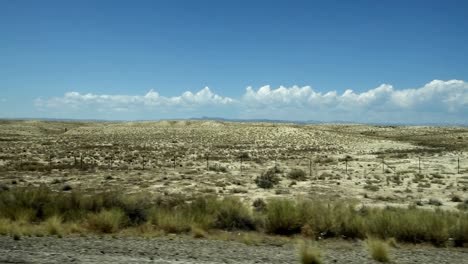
(398, 165)
(421, 171)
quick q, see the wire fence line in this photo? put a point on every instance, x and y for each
(313, 165)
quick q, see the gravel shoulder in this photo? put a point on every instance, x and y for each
(172, 250)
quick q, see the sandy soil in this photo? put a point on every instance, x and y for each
(377, 165)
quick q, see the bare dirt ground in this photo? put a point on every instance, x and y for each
(378, 165)
(172, 250)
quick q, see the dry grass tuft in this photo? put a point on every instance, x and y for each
(378, 250)
(309, 254)
(106, 221)
(54, 225)
(198, 232)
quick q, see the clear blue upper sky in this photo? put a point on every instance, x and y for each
(49, 48)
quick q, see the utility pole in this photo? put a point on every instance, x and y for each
(207, 164)
(458, 164)
(310, 167)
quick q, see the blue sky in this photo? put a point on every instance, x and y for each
(153, 59)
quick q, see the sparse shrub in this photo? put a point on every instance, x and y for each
(259, 205)
(56, 181)
(424, 185)
(233, 215)
(16, 236)
(239, 190)
(268, 179)
(325, 175)
(324, 160)
(66, 187)
(434, 201)
(309, 254)
(135, 208)
(244, 156)
(419, 203)
(107, 221)
(456, 199)
(4, 187)
(463, 205)
(217, 168)
(373, 188)
(297, 174)
(282, 191)
(378, 250)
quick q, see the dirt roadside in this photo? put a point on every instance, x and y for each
(167, 250)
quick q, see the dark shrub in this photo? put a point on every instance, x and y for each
(297, 174)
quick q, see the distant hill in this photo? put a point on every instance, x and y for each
(259, 120)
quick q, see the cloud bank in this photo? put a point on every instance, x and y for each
(436, 101)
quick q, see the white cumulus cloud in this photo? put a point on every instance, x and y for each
(436, 101)
(450, 96)
(150, 100)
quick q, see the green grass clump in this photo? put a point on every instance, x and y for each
(282, 217)
(378, 250)
(459, 231)
(171, 222)
(39, 211)
(233, 215)
(411, 225)
(106, 221)
(309, 254)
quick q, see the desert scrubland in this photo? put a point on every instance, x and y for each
(385, 164)
(250, 182)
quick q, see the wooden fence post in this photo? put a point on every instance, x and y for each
(383, 165)
(241, 160)
(419, 164)
(346, 162)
